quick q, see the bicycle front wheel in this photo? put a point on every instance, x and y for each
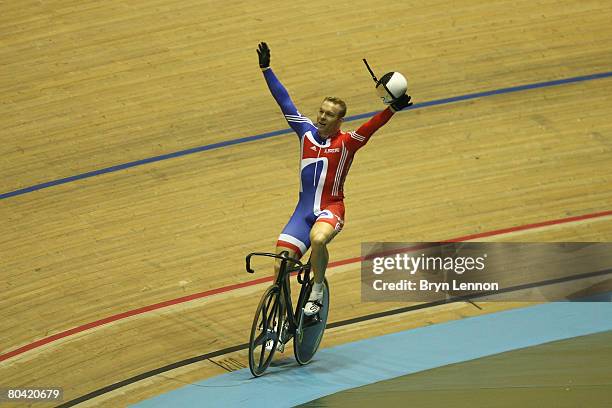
(265, 331)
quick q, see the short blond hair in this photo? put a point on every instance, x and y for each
(338, 102)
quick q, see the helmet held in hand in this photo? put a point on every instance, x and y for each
(391, 86)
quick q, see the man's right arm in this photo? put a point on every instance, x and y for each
(300, 124)
(279, 93)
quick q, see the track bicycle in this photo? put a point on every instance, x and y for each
(268, 328)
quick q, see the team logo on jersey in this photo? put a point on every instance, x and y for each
(336, 150)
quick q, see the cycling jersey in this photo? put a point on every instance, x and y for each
(324, 165)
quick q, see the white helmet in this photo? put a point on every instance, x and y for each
(391, 86)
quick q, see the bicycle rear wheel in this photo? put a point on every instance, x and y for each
(264, 332)
(309, 332)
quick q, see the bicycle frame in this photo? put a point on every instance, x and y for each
(282, 280)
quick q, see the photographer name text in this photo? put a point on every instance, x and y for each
(425, 285)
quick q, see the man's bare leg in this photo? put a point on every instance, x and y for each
(321, 234)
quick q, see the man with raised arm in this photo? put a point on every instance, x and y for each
(326, 156)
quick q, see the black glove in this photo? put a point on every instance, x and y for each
(401, 103)
(264, 55)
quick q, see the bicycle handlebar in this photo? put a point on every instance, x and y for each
(283, 256)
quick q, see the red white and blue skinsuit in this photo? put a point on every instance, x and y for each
(324, 164)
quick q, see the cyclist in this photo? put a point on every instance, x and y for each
(326, 156)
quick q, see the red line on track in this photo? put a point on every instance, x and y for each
(145, 309)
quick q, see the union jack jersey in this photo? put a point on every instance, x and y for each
(324, 165)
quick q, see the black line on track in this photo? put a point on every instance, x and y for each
(341, 323)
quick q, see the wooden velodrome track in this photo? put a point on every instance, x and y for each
(89, 85)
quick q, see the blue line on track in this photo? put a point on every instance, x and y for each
(284, 131)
